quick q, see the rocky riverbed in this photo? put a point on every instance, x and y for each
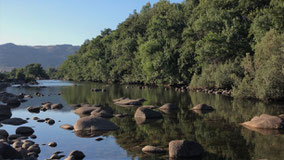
(77, 122)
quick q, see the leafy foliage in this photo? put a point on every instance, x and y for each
(200, 42)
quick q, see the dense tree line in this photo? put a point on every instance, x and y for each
(234, 44)
(29, 73)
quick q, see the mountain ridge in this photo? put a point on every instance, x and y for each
(15, 56)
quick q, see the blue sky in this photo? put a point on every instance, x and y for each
(49, 22)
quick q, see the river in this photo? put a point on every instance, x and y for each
(218, 132)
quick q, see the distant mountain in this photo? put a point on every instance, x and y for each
(14, 56)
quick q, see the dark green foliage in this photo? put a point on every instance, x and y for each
(197, 41)
(264, 72)
(28, 73)
(224, 76)
(52, 73)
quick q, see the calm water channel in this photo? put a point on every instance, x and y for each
(218, 132)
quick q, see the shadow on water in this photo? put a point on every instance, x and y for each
(218, 132)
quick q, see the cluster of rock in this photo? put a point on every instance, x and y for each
(4, 85)
(17, 146)
(98, 90)
(44, 107)
(11, 99)
(93, 120)
(21, 147)
(178, 149)
(128, 102)
(225, 92)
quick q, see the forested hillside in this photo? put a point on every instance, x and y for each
(233, 44)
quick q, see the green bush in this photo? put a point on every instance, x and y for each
(224, 76)
(264, 77)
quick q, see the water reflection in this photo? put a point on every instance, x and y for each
(218, 132)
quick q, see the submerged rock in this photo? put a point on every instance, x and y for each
(265, 121)
(184, 149)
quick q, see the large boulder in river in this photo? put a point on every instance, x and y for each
(103, 113)
(265, 121)
(8, 152)
(146, 113)
(184, 149)
(5, 112)
(168, 107)
(202, 107)
(75, 155)
(128, 102)
(26, 131)
(85, 110)
(13, 101)
(14, 121)
(95, 124)
(3, 134)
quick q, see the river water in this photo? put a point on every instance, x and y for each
(218, 132)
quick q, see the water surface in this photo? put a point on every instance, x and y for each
(218, 132)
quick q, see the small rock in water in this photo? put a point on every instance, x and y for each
(27, 144)
(17, 144)
(35, 118)
(67, 127)
(34, 109)
(99, 139)
(56, 106)
(56, 156)
(52, 144)
(50, 121)
(34, 148)
(33, 136)
(41, 120)
(152, 149)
